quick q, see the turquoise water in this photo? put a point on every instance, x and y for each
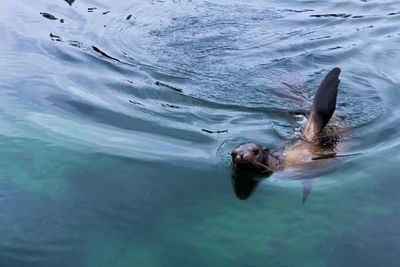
(117, 119)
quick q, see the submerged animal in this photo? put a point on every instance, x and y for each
(317, 141)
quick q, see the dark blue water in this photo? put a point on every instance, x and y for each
(117, 119)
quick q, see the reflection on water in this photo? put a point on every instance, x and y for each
(244, 185)
(117, 120)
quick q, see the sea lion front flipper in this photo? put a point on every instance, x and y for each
(324, 105)
(307, 186)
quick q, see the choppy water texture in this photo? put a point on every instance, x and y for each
(117, 118)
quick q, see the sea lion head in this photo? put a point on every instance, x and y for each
(251, 158)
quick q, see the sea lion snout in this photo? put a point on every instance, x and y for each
(244, 156)
(241, 156)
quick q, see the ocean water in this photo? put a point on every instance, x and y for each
(117, 119)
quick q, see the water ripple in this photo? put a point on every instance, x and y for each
(149, 79)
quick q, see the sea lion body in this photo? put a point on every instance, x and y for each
(331, 141)
(318, 140)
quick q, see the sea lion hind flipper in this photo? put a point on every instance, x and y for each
(324, 105)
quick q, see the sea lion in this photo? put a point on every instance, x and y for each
(316, 141)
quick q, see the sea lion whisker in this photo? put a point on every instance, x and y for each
(259, 164)
(331, 155)
(349, 155)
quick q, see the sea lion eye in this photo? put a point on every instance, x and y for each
(255, 151)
